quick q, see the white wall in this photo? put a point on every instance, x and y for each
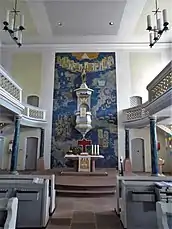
(144, 134)
(124, 87)
(22, 148)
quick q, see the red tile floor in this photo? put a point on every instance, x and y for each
(85, 213)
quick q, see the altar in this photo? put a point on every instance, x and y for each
(84, 163)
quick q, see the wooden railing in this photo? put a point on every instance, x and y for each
(35, 113)
(7, 85)
(161, 84)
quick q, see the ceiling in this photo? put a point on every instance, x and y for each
(85, 21)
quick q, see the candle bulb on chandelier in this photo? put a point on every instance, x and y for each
(149, 26)
(151, 39)
(8, 17)
(159, 25)
(155, 34)
(164, 13)
(12, 24)
(20, 38)
(21, 22)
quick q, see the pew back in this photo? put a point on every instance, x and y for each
(33, 201)
(8, 212)
(51, 178)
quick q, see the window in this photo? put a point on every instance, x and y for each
(33, 100)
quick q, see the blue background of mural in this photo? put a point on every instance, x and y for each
(103, 108)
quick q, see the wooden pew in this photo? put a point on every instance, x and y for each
(51, 178)
(8, 213)
(119, 180)
(33, 201)
(164, 215)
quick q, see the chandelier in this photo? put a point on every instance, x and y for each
(14, 24)
(159, 28)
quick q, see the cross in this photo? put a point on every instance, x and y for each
(84, 142)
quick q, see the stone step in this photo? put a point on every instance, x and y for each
(71, 173)
(85, 187)
(85, 193)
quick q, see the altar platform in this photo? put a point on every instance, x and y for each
(70, 184)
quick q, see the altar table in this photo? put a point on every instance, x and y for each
(84, 163)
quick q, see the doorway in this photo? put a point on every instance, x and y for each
(1, 151)
(31, 153)
(137, 153)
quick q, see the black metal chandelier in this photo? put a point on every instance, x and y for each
(156, 31)
(12, 26)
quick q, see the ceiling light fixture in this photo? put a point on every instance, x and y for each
(60, 23)
(111, 23)
(156, 31)
(11, 26)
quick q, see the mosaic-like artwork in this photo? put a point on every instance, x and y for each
(101, 77)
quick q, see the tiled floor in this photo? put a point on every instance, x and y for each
(85, 213)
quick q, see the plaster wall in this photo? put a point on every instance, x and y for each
(22, 148)
(134, 70)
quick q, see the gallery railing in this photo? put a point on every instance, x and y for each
(8, 86)
(136, 113)
(161, 84)
(35, 113)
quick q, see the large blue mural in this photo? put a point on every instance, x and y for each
(101, 77)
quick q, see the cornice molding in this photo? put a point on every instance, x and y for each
(100, 47)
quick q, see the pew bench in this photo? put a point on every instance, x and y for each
(51, 178)
(8, 213)
(164, 215)
(119, 180)
(33, 201)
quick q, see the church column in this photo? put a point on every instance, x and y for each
(41, 154)
(15, 146)
(153, 141)
(127, 144)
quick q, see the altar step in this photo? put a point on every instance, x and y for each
(84, 191)
(72, 173)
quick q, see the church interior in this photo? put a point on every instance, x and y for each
(86, 114)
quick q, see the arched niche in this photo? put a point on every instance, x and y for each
(33, 100)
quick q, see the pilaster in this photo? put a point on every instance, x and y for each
(153, 141)
(15, 146)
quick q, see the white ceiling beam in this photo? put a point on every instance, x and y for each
(39, 15)
(132, 13)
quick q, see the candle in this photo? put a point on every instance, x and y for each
(22, 20)
(151, 38)
(97, 149)
(149, 22)
(12, 24)
(164, 13)
(20, 38)
(155, 33)
(8, 16)
(159, 24)
(92, 149)
(16, 35)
